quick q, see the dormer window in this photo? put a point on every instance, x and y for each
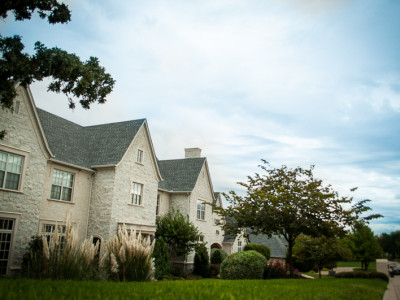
(139, 158)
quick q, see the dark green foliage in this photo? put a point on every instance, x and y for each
(161, 259)
(218, 256)
(367, 275)
(178, 232)
(32, 258)
(290, 202)
(243, 265)
(201, 261)
(23, 9)
(365, 246)
(390, 243)
(86, 81)
(215, 270)
(264, 250)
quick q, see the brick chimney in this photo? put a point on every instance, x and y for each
(192, 152)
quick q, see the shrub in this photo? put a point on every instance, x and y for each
(264, 250)
(357, 274)
(215, 270)
(275, 269)
(30, 261)
(243, 265)
(128, 257)
(201, 261)
(161, 259)
(218, 256)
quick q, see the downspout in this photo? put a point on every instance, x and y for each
(90, 203)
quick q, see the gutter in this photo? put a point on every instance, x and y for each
(71, 165)
(90, 203)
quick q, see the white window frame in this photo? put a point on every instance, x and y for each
(62, 186)
(201, 210)
(139, 157)
(158, 204)
(137, 193)
(4, 168)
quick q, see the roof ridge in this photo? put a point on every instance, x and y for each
(182, 159)
(114, 123)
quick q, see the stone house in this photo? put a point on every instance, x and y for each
(103, 176)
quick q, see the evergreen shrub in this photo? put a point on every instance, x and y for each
(201, 261)
(243, 265)
(218, 256)
(161, 259)
(264, 250)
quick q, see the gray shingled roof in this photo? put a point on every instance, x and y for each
(180, 175)
(277, 244)
(88, 146)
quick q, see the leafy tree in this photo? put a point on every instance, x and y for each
(86, 81)
(201, 261)
(321, 251)
(289, 202)
(365, 245)
(178, 232)
(161, 259)
(390, 243)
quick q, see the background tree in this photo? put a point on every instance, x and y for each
(178, 232)
(390, 243)
(365, 245)
(320, 252)
(290, 202)
(86, 81)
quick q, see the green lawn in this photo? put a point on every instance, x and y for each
(354, 289)
(356, 264)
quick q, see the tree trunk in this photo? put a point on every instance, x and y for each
(366, 263)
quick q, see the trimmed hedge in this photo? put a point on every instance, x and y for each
(218, 256)
(264, 250)
(243, 265)
(357, 274)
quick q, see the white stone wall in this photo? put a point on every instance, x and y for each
(23, 138)
(100, 214)
(111, 193)
(164, 202)
(57, 210)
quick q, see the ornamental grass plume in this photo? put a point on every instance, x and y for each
(63, 258)
(128, 257)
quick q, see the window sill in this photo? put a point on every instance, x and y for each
(130, 204)
(139, 163)
(201, 220)
(12, 191)
(61, 201)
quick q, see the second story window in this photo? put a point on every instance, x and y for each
(158, 205)
(201, 210)
(10, 170)
(136, 193)
(139, 158)
(61, 188)
(239, 246)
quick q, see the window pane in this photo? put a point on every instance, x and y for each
(68, 179)
(14, 163)
(3, 161)
(57, 177)
(12, 181)
(1, 178)
(66, 194)
(55, 192)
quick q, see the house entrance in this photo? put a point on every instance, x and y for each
(6, 231)
(216, 246)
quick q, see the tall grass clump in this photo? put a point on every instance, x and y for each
(61, 258)
(128, 257)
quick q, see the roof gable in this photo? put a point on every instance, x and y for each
(91, 146)
(180, 175)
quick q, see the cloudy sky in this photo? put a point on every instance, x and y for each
(295, 82)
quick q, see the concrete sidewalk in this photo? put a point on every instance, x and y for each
(393, 289)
